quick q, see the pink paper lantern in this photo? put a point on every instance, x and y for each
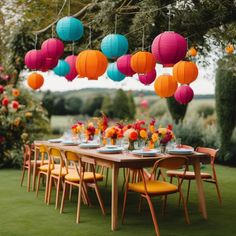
(124, 66)
(53, 48)
(168, 48)
(49, 63)
(73, 73)
(144, 104)
(34, 59)
(148, 78)
(184, 94)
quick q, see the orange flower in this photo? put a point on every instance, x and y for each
(15, 92)
(143, 134)
(133, 136)
(152, 128)
(28, 114)
(154, 137)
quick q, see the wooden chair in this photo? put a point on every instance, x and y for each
(82, 179)
(153, 187)
(207, 177)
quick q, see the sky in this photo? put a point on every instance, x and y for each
(204, 84)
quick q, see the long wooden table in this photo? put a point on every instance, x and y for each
(117, 161)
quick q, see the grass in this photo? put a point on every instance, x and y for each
(21, 213)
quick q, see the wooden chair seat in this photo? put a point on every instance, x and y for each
(88, 177)
(188, 175)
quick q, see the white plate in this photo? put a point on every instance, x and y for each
(56, 140)
(180, 151)
(110, 150)
(111, 147)
(89, 145)
(69, 143)
(148, 153)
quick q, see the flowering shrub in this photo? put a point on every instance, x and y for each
(22, 119)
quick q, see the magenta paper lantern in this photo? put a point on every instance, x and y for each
(73, 73)
(184, 94)
(168, 48)
(34, 59)
(53, 48)
(124, 66)
(49, 63)
(148, 78)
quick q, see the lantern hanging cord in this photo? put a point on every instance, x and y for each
(134, 30)
(143, 38)
(115, 22)
(90, 36)
(52, 31)
(35, 42)
(169, 14)
(73, 48)
(68, 7)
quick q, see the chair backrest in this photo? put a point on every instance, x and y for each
(55, 154)
(212, 152)
(71, 157)
(43, 151)
(27, 154)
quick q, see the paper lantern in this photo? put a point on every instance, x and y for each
(123, 65)
(143, 62)
(48, 64)
(62, 68)
(34, 59)
(71, 60)
(35, 80)
(144, 104)
(185, 72)
(184, 94)
(114, 45)
(148, 78)
(52, 48)
(192, 52)
(229, 48)
(169, 48)
(113, 73)
(91, 64)
(69, 29)
(165, 86)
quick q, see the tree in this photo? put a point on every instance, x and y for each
(177, 110)
(121, 105)
(107, 106)
(73, 105)
(59, 106)
(226, 107)
(93, 105)
(132, 106)
(48, 103)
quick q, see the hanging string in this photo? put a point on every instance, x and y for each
(68, 7)
(35, 42)
(143, 38)
(115, 22)
(73, 48)
(134, 30)
(90, 36)
(52, 31)
(169, 14)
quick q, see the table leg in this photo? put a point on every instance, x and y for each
(200, 191)
(36, 153)
(114, 198)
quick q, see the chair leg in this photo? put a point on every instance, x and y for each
(57, 192)
(49, 191)
(164, 205)
(185, 207)
(218, 193)
(100, 199)
(154, 219)
(140, 204)
(70, 192)
(38, 183)
(46, 189)
(22, 176)
(107, 175)
(188, 192)
(78, 204)
(63, 197)
(124, 205)
(28, 178)
(179, 194)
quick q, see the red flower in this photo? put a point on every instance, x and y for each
(5, 101)
(15, 105)
(133, 136)
(1, 89)
(152, 122)
(170, 127)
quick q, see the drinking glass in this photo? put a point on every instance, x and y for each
(178, 143)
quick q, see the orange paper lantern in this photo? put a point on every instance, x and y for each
(185, 72)
(143, 62)
(229, 48)
(192, 52)
(35, 80)
(165, 86)
(91, 64)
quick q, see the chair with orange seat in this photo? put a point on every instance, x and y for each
(207, 177)
(82, 179)
(153, 187)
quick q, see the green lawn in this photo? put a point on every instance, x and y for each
(21, 213)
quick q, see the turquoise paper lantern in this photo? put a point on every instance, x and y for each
(69, 29)
(62, 68)
(114, 45)
(113, 73)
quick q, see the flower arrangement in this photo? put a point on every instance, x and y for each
(165, 135)
(113, 133)
(77, 128)
(90, 131)
(132, 135)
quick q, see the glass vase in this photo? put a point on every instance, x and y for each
(131, 145)
(163, 148)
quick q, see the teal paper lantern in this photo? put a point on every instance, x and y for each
(114, 45)
(113, 73)
(69, 29)
(62, 68)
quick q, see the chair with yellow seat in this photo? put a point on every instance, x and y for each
(82, 179)
(57, 173)
(153, 187)
(207, 177)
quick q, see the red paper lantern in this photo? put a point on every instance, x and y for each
(35, 80)
(165, 86)
(71, 60)
(185, 72)
(34, 59)
(147, 78)
(169, 48)
(91, 64)
(143, 62)
(52, 48)
(184, 94)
